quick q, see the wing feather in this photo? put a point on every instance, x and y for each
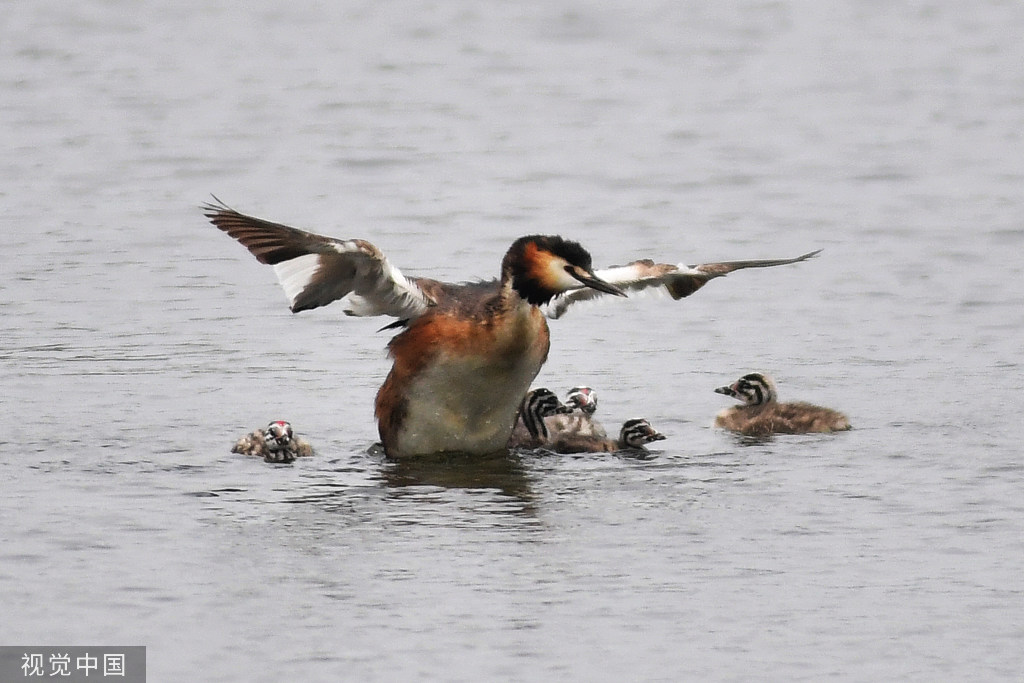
(315, 270)
(677, 281)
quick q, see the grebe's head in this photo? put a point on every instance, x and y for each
(278, 435)
(636, 433)
(583, 399)
(541, 267)
(537, 405)
(753, 389)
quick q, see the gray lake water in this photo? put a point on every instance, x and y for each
(137, 342)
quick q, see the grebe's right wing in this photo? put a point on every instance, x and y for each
(677, 281)
(315, 270)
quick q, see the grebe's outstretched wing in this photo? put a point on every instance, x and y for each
(677, 280)
(315, 270)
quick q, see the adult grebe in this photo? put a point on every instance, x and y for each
(634, 435)
(762, 415)
(460, 341)
(276, 443)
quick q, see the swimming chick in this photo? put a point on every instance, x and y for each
(276, 443)
(466, 353)
(762, 415)
(634, 435)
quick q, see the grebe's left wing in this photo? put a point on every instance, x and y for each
(315, 270)
(677, 281)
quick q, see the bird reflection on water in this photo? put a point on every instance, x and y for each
(503, 472)
(499, 483)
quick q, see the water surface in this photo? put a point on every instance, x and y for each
(138, 342)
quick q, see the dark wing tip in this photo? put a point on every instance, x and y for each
(685, 284)
(810, 254)
(218, 212)
(270, 243)
(215, 207)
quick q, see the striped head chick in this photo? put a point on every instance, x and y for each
(762, 415)
(583, 399)
(277, 443)
(531, 431)
(637, 433)
(579, 421)
(753, 389)
(278, 436)
(634, 435)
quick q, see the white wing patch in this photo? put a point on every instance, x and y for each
(383, 290)
(355, 273)
(296, 274)
(315, 270)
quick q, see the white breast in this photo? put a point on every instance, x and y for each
(468, 401)
(465, 404)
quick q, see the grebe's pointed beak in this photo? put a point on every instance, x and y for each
(588, 279)
(728, 391)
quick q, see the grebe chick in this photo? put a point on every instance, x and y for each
(762, 415)
(531, 430)
(580, 420)
(276, 443)
(458, 342)
(583, 399)
(634, 435)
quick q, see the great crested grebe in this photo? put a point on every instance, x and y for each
(460, 341)
(634, 435)
(531, 430)
(276, 443)
(762, 415)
